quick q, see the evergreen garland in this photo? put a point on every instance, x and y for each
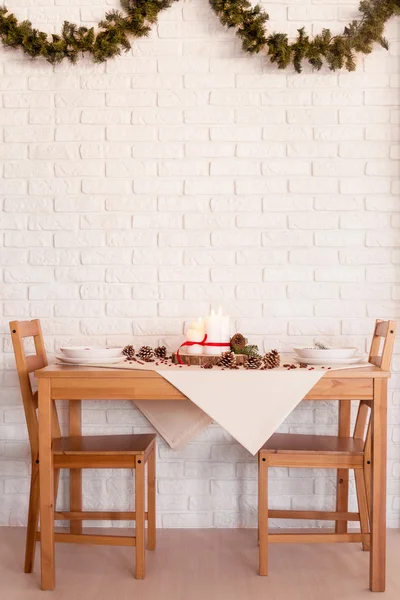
(337, 51)
(111, 38)
(114, 33)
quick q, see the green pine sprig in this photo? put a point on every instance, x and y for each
(248, 350)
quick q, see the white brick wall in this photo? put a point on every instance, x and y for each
(135, 193)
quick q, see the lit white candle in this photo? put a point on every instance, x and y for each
(195, 333)
(217, 328)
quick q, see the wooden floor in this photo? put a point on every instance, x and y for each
(207, 564)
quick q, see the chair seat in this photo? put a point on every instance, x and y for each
(103, 445)
(286, 443)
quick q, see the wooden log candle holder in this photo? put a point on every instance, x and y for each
(203, 359)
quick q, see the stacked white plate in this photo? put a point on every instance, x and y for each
(89, 355)
(329, 356)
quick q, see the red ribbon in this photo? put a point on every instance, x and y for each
(202, 343)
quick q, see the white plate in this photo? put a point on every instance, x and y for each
(89, 361)
(334, 361)
(327, 354)
(90, 352)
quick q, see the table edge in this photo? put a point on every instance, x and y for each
(59, 371)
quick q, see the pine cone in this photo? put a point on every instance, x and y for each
(254, 362)
(160, 352)
(227, 360)
(128, 351)
(272, 359)
(146, 353)
(238, 341)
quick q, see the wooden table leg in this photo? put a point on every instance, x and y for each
(262, 515)
(140, 520)
(75, 478)
(46, 477)
(342, 490)
(377, 572)
(55, 433)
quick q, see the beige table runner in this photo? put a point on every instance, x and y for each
(249, 404)
(176, 421)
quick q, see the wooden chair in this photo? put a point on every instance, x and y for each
(79, 452)
(325, 452)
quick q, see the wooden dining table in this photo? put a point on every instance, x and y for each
(72, 383)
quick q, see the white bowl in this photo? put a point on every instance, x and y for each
(89, 361)
(90, 352)
(335, 361)
(325, 354)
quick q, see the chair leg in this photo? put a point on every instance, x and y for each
(75, 498)
(75, 475)
(367, 468)
(140, 518)
(362, 504)
(33, 518)
(263, 514)
(151, 501)
(56, 485)
(367, 478)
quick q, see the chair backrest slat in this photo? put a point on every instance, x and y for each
(29, 328)
(25, 365)
(380, 355)
(361, 421)
(34, 362)
(381, 328)
(385, 330)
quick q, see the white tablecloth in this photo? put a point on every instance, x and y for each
(249, 404)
